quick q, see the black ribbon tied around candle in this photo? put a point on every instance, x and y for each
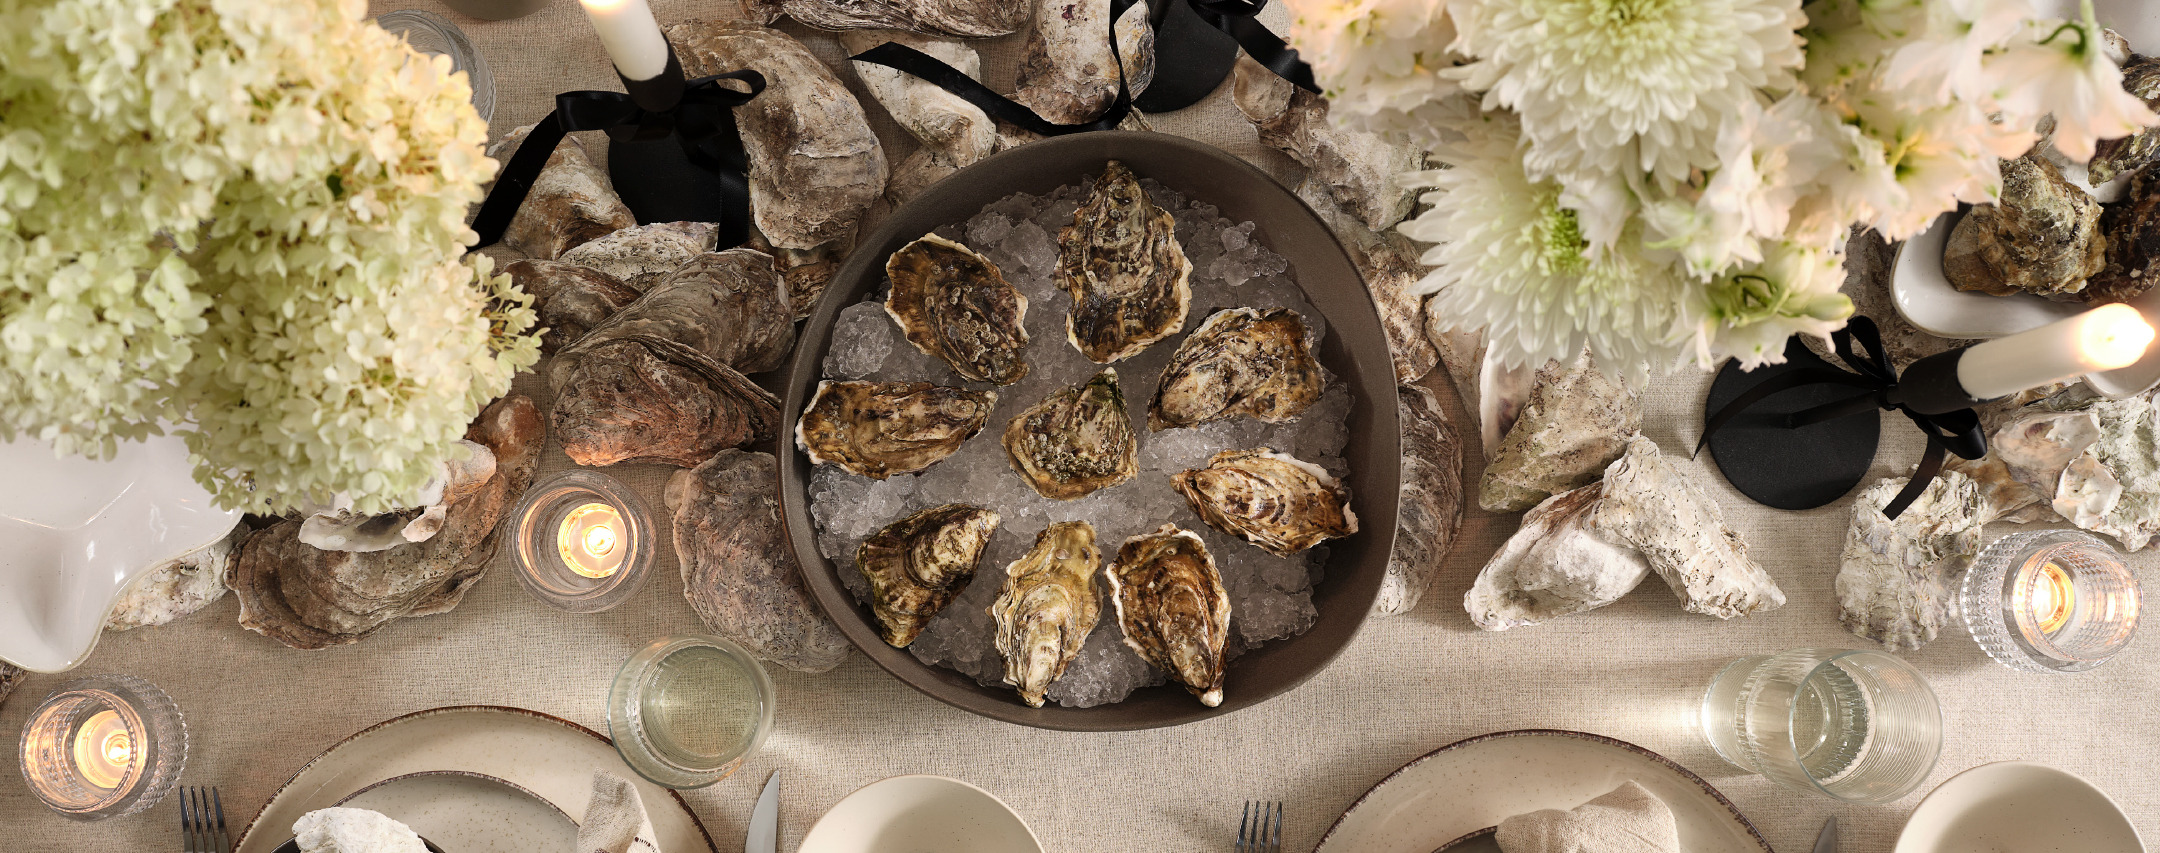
(1241, 19)
(704, 122)
(1952, 432)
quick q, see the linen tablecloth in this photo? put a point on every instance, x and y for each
(256, 711)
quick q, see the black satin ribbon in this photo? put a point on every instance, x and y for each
(908, 60)
(1241, 19)
(704, 122)
(1953, 432)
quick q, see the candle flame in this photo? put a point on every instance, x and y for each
(589, 540)
(2053, 597)
(599, 541)
(2115, 336)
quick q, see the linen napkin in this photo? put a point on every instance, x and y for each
(615, 820)
(1627, 819)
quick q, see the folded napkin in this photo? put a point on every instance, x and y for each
(1628, 819)
(615, 820)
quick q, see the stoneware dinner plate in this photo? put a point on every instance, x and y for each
(907, 814)
(2018, 807)
(545, 757)
(1450, 795)
(470, 812)
(1355, 349)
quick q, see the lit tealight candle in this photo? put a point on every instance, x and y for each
(2051, 599)
(631, 35)
(589, 540)
(2105, 338)
(104, 750)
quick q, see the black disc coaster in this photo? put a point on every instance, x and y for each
(659, 184)
(1191, 59)
(1790, 467)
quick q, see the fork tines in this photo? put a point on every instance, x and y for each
(202, 821)
(1260, 829)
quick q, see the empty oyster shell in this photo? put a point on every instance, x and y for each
(1355, 168)
(569, 204)
(954, 304)
(1047, 607)
(729, 306)
(1171, 603)
(1553, 566)
(643, 399)
(1273, 500)
(1891, 583)
(1429, 512)
(918, 564)
(1075, 441)
(1121, 263)
(339, 529)
(878, 429)
(1066, 75)
(1242, 361)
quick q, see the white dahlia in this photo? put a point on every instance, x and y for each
(1609, 85)
(1379, 61)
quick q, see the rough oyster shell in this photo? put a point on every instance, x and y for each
(1067, 75)
(1891, 585)
(2112, 486)
(571, 202)
(2113, 158)
(954, 304)
(1388, 263)
(1047, 607)
(737, 569)
(1171, 603)
(570, 299)
(2132, 229)
(1575, 422)
(1650, 506)
(1121, 263)
(962, 18)
(918, 564)
(1242, 361)
(1075, 441)
(10, 676)
(2042, 235)
(1553, 566)
(878, 429)
(954, 133)
(727, 306)
(176, 587)
(1273, 500)
(1429, 513)
(642, 399)
(1490, 389)
(339, 529)
(639, 256)
(1357, 169)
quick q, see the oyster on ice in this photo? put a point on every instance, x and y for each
(1280, 503)
(878, 429)
(1075, 441)
(918, 564)
(1047, 607)
(1121, 263)
(1171, 603)
(954, 304)
(1242, 361)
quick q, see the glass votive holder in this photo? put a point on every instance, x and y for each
(582, 541)
(104, 746)
(428, 33)
(1858, 725)
(2049, 601)
(686, 710)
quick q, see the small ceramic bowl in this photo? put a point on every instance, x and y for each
(910, 813)
(2022, 806)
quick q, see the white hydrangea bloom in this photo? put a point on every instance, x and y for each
(1380, 61)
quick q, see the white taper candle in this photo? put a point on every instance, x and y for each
(2104, 338)
(631, 36)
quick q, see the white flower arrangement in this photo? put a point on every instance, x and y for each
(1672, 181)
(245, 219)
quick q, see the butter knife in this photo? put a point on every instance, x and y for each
(764, 834)
(1827, 841)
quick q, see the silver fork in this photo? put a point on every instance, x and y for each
(1260, 830)
(202, 821)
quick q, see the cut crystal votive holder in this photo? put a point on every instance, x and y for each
(104, 746)
(2050, 601)
(582, 541)
(1858, 725)
(686, 711)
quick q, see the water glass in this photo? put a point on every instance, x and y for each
(685, 711)
(1858, 725)
(2049, 601)
(102, 747)
(428, 33)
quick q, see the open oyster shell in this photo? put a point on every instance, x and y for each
(176, 587)
(918, 564)
(1242, 361)
(1047, 607)
(1171, 603)
(1121, 263)
(878, 429)
(1273, 500)
(1075, 441)
(954, 304)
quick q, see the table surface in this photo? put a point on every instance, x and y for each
(256, 711)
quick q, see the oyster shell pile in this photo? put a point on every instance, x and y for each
(1047, 607)
(1171, 603)
(570, 203)
(917, 564)
(1892, 583)
(954, 304)
(1273, 500)
(1075, 441)
(2042, 235)
(2095, 462)
(1121, 263)
(1242, 361)
(878, 429)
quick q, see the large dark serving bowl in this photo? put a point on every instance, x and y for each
(1355, 349)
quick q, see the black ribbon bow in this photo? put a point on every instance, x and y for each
(704, 122)
(1241, 19)
(1955, 432)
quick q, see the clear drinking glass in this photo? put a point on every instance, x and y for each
(1858, 725)
(685, 711)
(428, 33)
(103, 746)
(2050, 601)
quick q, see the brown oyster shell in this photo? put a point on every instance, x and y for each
(878, 429)
(1075, 441)
(1242, 361)
(737, 569)
(2042, 236)
(1121, 263)
(1067, 75)
(918, 564)
(728, 306)
(954, 133)
(10, 676)
(961, 18)
(643, 399)
(571, 202)
(570, 299)
(954, 304)
(641, 255)
(2113, 158)
(1171, 603)
(1047, 607)
(2132, 228)
(1281, 503)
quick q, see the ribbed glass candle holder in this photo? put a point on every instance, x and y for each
(104, 746)
(2050, 601)
(1858, 725)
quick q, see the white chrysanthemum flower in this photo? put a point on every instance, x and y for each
(1945, 55)
(1379, 61)
(1606, 86)
(2063, 69)
(1748, 312)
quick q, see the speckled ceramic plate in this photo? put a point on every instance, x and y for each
(1457, 790)
(470, 812)
(548, 758)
